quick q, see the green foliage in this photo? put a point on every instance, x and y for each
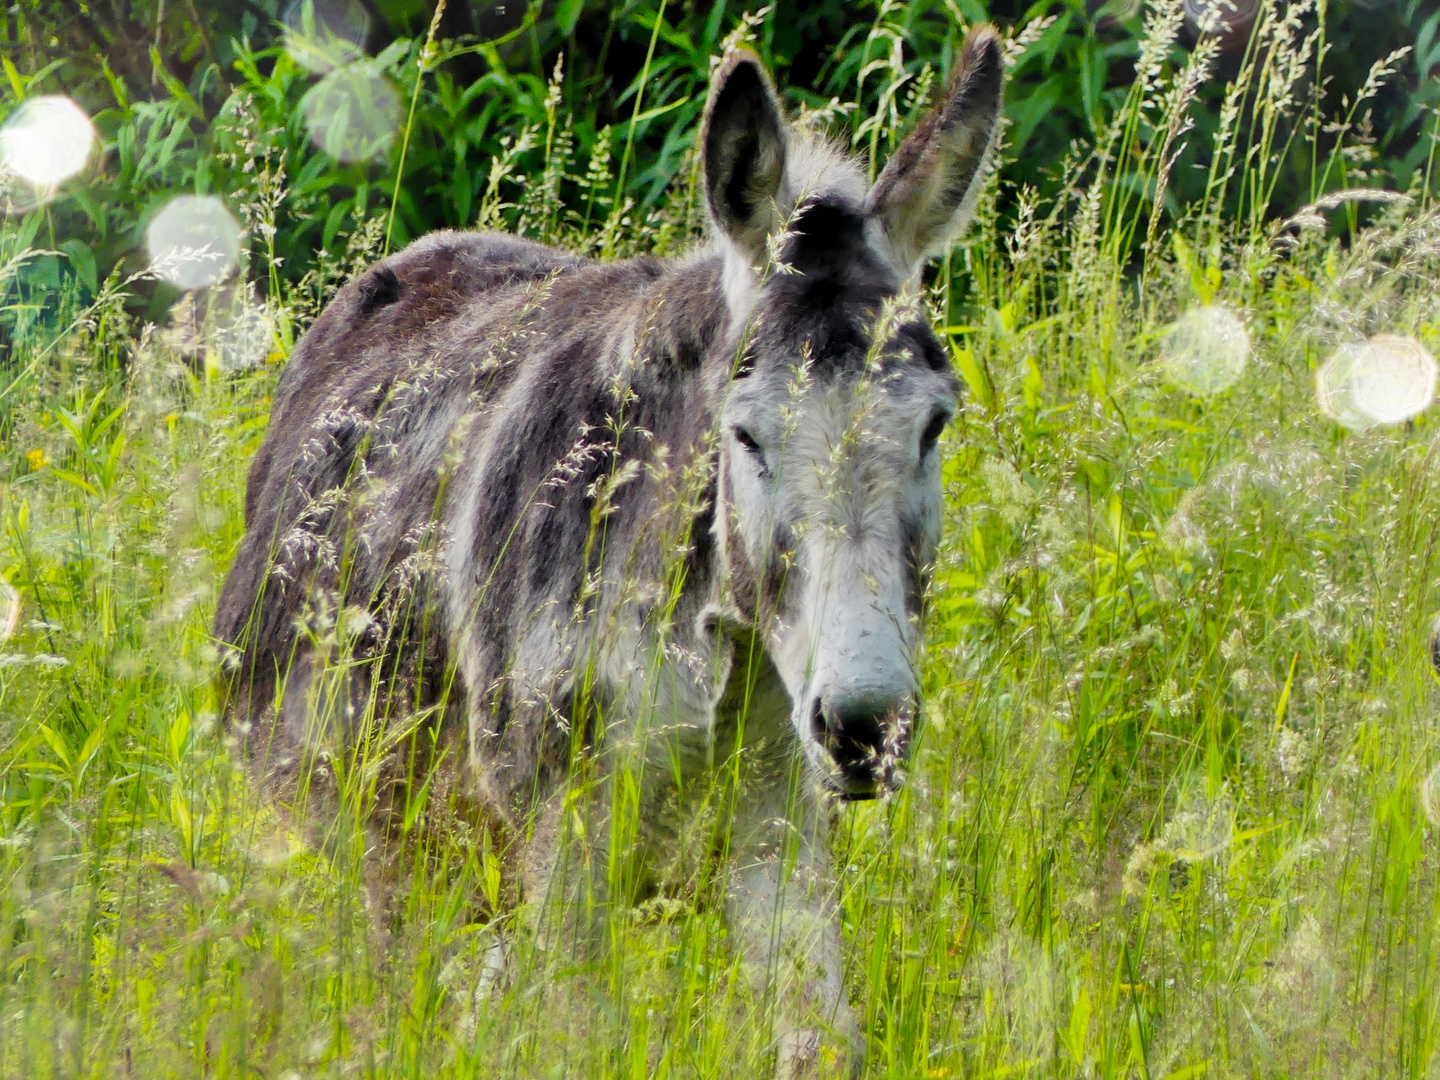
(189, 99)
(1172, 808)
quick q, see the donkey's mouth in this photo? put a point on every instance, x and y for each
(865, 758)
(850, 789)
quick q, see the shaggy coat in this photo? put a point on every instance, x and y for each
(537, 513)
(436, 457)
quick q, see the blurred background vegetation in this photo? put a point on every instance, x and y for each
(204, 96)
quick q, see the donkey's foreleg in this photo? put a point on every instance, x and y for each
(783, 912)
(593, 852)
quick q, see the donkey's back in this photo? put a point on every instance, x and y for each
(446, 416)
(368, 398)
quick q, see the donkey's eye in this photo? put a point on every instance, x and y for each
(931, 435)
(745, 439)
(757, 455)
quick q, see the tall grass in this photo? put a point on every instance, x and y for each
(1173, 809)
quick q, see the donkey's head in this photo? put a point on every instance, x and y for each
(829, 478)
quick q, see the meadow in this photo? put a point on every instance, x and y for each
(1173, 810)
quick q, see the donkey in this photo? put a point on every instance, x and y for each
(625, 528)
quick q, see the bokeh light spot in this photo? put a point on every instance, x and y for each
(9, 610)
(353, 114)
(1430, 796)
(46, 140)
(1385, 380)
(193, 241)
(245, 340)
(1206, 350)
(322, 35)
(1227, 19)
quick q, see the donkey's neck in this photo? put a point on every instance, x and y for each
(669, 353)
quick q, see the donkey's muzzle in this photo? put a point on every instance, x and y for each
(867, 737)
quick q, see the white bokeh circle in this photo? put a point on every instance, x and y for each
(193, 241)
(1385, 380)
(354, 113)
(244, 338)
(322, 35)
(1206, 351)
(45, 141)
(9, 610)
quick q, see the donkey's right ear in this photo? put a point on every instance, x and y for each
(742, 146)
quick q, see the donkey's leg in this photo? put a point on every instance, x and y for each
(619, 825)
(782, 910)
(298, 758)
(597, 845)
(348, 759)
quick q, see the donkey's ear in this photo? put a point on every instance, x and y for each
(928, 188)
(742, 144)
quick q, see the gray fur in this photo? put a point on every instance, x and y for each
(532, 514)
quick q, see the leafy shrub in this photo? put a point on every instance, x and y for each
(189, 98)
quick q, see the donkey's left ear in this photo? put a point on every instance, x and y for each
(927, 191)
